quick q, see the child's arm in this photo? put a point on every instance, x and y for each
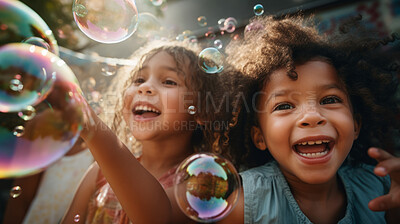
(387, 164)
(82, 196)
(140, 194)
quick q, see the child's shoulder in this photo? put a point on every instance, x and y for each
(363, 176)
(266, 173)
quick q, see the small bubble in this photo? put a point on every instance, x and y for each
(202, 20)
(221, 24)
(15, 191)
(109, 69)
(37, 42)
(16, 85)
(80, 10)
(192, 110)
(77, 218)
(19, 131)
(258, 9)
(28, 113)
(211, 60)
(218, 44)
(230, 24)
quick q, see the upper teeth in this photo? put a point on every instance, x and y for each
(146, 108)
(318, 142)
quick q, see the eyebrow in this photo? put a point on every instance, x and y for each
(284, 92)
(164, 67)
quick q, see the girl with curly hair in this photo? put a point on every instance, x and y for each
(318, 108)
(162, 109)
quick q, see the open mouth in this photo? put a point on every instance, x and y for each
(146, 111)
(314, 149)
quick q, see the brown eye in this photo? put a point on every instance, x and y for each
(170, 82)
(139, 81)
(283, 106)
(331, 100)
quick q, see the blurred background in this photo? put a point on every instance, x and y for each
(96, 64)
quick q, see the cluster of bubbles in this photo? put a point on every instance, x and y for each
(106, 21)
(207, 187)
(41, 104)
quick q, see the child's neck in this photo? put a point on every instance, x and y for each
(321, 203)
(160, 156)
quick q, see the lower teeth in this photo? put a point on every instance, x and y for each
(314, 154)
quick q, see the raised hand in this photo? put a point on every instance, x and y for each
(387, 164)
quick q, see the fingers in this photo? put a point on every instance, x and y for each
(383, 203)
(387, 162)
(379, 154)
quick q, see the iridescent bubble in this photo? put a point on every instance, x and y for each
(20, 23)
(180, 37)
(230, 24)
(29, 71)
(253, 27)
(29, 145)
(221, 24)
(148, 25)
(19, 131)
(258, 9)
(211, 60)
(106, 21)
(218, 44)
(15, 191)
(37, 42)
(157, 2)
(28, 113)
(202, 21)
(109, 69)
(191, 110)
(77, 218)
(207, 187)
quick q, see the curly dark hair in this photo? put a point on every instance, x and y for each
(363, 60)
(203, 86)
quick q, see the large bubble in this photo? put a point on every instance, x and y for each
(207, 187)
(211, 60)
(27, 73)
(36, 136)
(106, 21)
(18, 22)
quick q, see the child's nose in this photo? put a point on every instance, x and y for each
(146, 88)
(311, 117)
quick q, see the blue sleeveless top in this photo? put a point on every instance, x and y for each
(268, 199)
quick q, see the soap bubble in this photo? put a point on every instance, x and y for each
(106, 21)
(202, 21)
(36, 136)
(148, 25)
(207, 187)
(230, 25)
(37, 42)
(258, 9)
(15, 191)
(29, 71)
(218, 44)
(211, 60)
(18, 23)
(157, 2)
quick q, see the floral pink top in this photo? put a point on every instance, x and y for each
(104, 207)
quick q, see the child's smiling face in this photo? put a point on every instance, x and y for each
(307, 124)
(154, 105)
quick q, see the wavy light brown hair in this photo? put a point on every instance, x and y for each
(363, 60)
(204, 86)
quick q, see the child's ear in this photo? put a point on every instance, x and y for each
(258, 138)
(357, 125)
